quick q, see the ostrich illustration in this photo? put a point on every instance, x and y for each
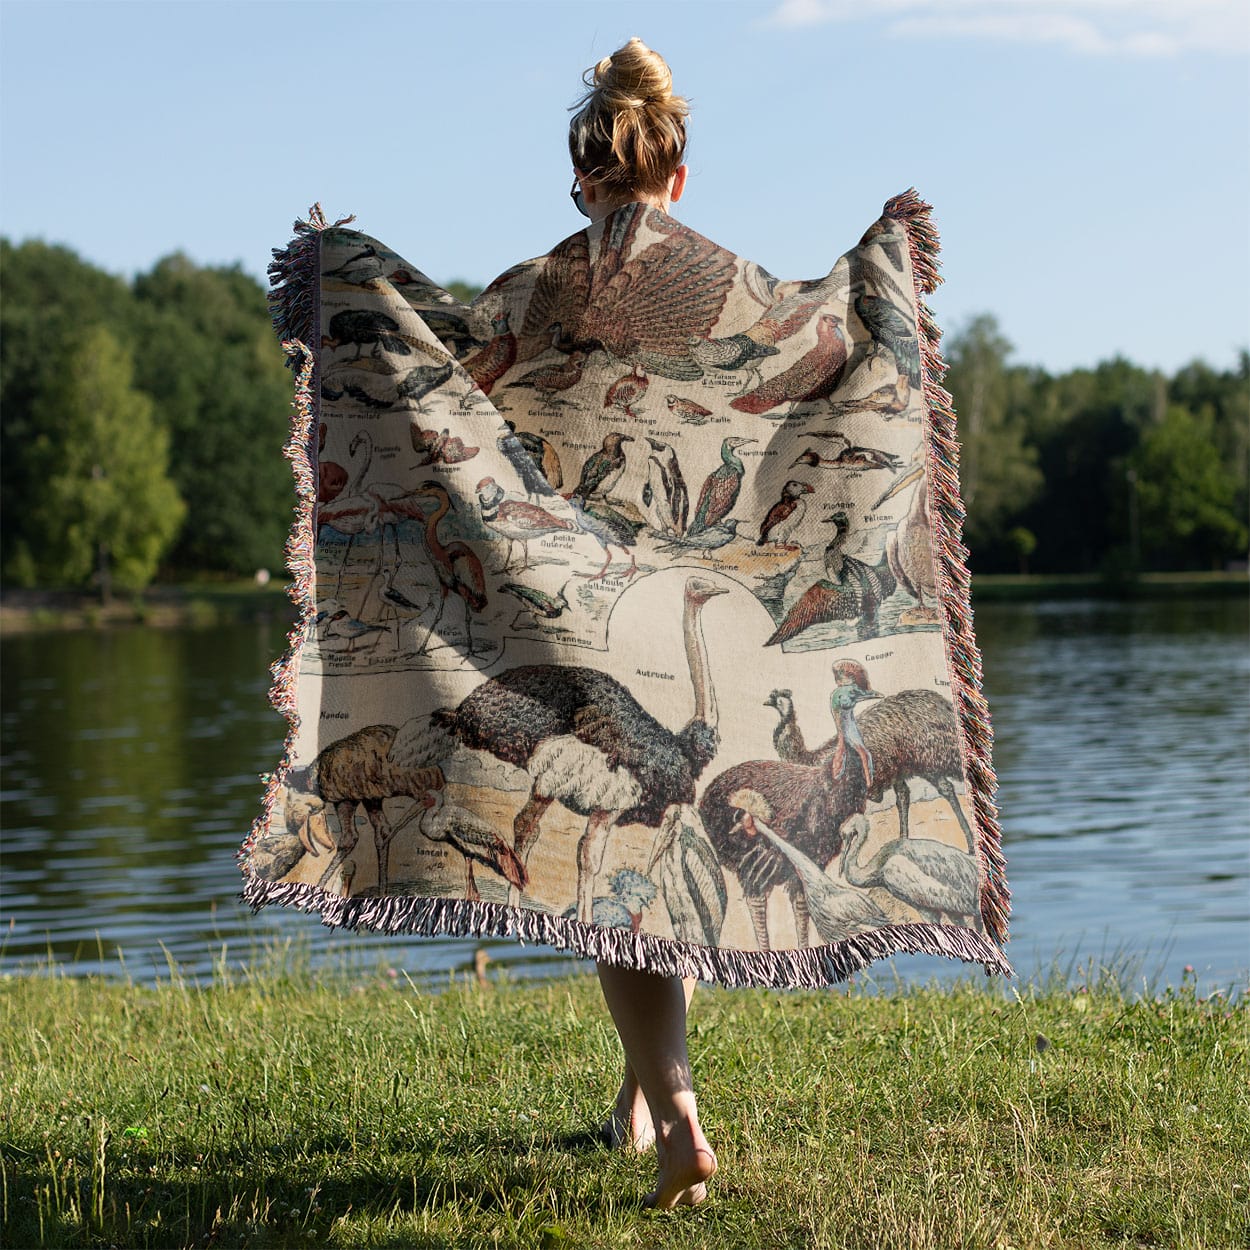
(908, 734)
(366, 768)
(909, 548)
(936, 879)
(587, 742)
(836, 911)
(459, 570)
(809, 806)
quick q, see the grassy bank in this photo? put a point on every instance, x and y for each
(1001, 587)
(192, 603)
(285, 1110)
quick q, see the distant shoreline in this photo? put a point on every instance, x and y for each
(203, 604)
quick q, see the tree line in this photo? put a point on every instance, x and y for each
(143, 421)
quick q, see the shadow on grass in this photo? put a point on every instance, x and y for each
(266, 1198)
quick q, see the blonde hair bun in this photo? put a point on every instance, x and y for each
(629, 132)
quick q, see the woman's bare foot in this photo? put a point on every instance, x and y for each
(629, 1126)
(686, 1165)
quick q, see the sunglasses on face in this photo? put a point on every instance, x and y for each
(576, 196)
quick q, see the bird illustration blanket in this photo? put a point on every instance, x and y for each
(634, 616)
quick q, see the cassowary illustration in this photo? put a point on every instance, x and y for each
(809, 805)
(908, 734)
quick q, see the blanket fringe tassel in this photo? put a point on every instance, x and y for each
(810, 968)
(293, 305)
(954, 581)
(293, 302)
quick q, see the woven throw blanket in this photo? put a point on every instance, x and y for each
(634, 616)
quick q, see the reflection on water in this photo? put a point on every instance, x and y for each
(131, 762)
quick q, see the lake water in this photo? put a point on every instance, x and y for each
(131, 760)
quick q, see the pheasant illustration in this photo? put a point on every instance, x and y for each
(742, 351)
(644, 309)
(811, 377)
(720, 490)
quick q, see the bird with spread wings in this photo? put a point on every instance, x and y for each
(642, 303)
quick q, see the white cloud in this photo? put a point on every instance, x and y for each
(1135, 28)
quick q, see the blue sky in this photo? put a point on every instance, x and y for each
(1087, 159)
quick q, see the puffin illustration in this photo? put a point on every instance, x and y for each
(784, 516)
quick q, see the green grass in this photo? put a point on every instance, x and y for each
(287, 1109)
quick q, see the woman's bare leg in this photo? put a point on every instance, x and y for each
(650, 1015)
(629, 1125)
